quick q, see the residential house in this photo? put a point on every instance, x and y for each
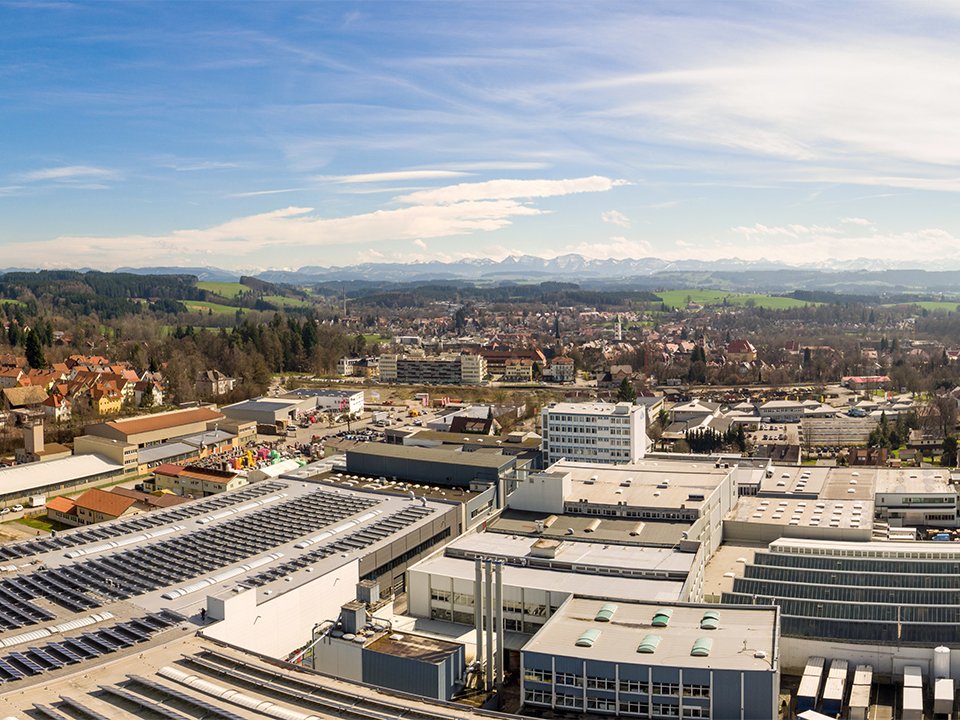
(151, 388)
(518, 370)
(740, 351)
(563, 369)
(23, 398)
(213, 382)
(57, 408)
(10, 376)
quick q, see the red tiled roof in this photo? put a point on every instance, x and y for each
(104, 502)
(61, 504)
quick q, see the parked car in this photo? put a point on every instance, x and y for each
(18, 508)
(4, 511)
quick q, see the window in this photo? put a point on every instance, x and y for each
(565, 678)
(571, 701)
(663, 710)
(462, 599)
(440, 613)
(634, 686)
(440, 595)
(600, 683)
(601, 704)
(632, 707)
(695, 711)
(538, 697)
(666, 688)
(696, 691)
(538, 675)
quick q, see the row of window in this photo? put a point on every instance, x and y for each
(627, 686)
(624, 707)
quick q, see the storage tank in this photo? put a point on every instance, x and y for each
(941, 662)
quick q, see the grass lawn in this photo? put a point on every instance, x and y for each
(375, 339)
(40, 523)
(203, 306)
(8, 301)
(679, 298)
(223, 289)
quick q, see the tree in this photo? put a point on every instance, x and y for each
(34, 351)
(949, 456)
(626, 393)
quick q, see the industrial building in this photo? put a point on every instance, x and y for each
(594, 432)
(432, 466)
(343, 401)
(157, 428)
(657, 660)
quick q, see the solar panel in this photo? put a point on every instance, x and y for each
(82, 709)
(143, 702)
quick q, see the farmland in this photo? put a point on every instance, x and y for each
(680, 299)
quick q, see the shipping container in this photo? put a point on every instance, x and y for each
(833, 692)
(809, 690)
(912, 703)
(943, 696)
(859, 702)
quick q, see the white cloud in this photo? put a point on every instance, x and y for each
(615, 217)
(298, 230)
(510, 189)
(616, 247)
(399, 175)
(856, 221)
(68, 173)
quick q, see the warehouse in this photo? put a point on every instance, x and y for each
(20, 482)
(158, 428)
(432, 466)
(348, 401)
(655, 660)
(264, 411)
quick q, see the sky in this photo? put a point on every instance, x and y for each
(255, 135)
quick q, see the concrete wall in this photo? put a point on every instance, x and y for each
(888, 662)
(283, 622)
(541, 492)
(339, 657)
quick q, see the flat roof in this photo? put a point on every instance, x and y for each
(451, 438)
(432, 455)
(425, 649)
(741, 634)
(574, 527)
(263, 405)
(581, 554)
(35, 476)
(591, 408)
(914, 480)
(314, 392)
(155, 453)
(639, 484)
(558, 580)
(853, 514)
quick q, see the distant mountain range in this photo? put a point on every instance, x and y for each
(869, 276)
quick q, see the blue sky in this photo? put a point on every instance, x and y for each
(279, 134)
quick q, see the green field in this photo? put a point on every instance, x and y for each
(931, 305)
(7, 301)
(375, 339)
(223, 289)
(282, 301)
(218, 309)
(680, 298)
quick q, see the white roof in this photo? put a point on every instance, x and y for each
(592, 408)
(278, 469)
(35, 476)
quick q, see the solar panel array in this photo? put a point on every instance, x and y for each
(89, 583)
(96, 643)
(298, 690)
(363, 538)
(140, 523)
(150, 695)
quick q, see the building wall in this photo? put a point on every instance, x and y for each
(119, 452)
(417, 470)
(579, 685)
(591, 436)
(414, 676)
(541, 492)
(284, 622)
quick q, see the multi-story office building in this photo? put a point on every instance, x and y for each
(639, 659)
(594, 432)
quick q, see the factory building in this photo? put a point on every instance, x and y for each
(654, 660)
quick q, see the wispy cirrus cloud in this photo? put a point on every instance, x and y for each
(70, 173)
(398, 175)
(510, 189)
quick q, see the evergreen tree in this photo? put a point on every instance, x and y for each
(626, 393)
(949, 456)
(34, 351)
